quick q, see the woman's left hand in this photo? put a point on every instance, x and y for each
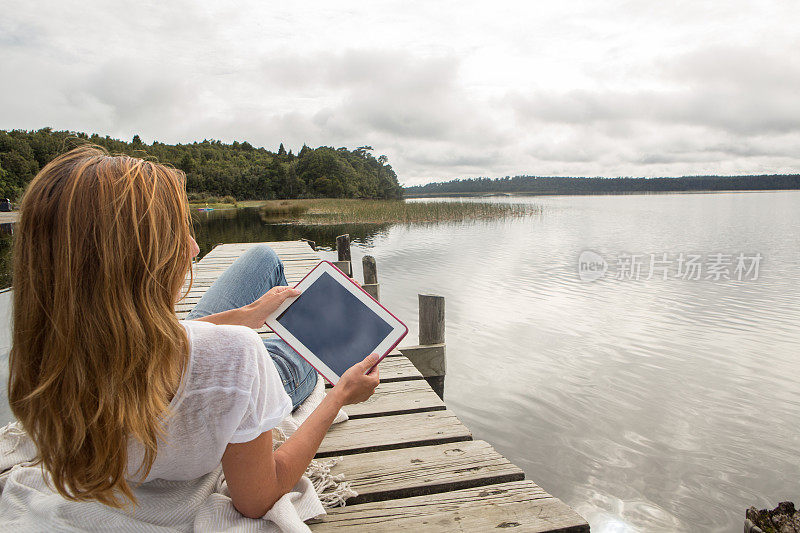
(257, 312)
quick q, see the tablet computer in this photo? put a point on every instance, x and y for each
(334, 323)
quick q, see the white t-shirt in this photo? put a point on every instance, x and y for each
(230, 392)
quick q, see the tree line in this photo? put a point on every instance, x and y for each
(577, 185)
(215, 168)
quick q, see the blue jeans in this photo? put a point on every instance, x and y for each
(255, 272)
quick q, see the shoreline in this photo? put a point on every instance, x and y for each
(618, 193)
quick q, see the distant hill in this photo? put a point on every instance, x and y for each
(215, 168)
(562, 185)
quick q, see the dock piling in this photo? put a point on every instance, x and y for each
(343, 247)
(429, 356)
(370, 277)
(431, 319)
(343, 252)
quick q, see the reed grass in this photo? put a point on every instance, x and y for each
(342, 211)
(283, 208)
(197, 200)
(216, 206)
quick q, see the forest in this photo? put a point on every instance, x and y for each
(215, 168)
(569, 185)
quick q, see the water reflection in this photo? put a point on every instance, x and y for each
(249, 225)
(648, 406)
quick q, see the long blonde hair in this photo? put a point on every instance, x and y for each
(101, 250)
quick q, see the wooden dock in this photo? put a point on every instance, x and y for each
(412, 462)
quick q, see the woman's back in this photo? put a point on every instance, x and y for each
(230, 392)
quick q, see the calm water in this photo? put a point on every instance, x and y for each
(647, 405)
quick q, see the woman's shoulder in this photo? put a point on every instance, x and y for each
(223, 353)
(211, 335)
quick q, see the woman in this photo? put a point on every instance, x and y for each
(114, 389)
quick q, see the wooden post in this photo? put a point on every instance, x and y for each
(343, 247)
(371, 277)
(370, 269)
(345, 267)
(429, 357)
(431, 319)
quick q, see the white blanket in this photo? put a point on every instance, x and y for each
(203, 504)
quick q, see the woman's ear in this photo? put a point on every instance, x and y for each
(195, 248)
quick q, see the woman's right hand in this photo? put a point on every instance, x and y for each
(355, 385)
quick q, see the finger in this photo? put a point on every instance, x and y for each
(374, 371)
(287, 289)
(269, 294)
(375, 376)
(288, 293)
(369, 361)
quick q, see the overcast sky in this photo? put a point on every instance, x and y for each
(444, 89)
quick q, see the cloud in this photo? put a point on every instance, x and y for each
(578, 89)
(715, 105)
(738, 91)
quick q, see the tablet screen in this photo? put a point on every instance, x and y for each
(335, 325)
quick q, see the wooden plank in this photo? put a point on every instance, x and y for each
(389, 432)
(397, 397)
(213, 274)
(206, 281)
(207, 278)
(243, 246)
(282, 250)
(303, 251)
(208, 270)
(239, 248)
(424, 470)
(202, 279)
(255, 243)
(289, 260)
(519, 506)
(285, 257)
(8, 217)
(287, 267)
(396, 369)
(222, 255)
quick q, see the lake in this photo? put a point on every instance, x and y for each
(645, 403)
